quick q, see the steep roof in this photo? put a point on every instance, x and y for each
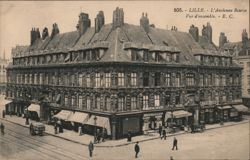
(115, 40)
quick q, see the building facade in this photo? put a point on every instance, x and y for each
(124, 77)
(3, 80)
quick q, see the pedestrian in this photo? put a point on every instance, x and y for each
(104, 133)
(55, 128)
(80, 130)
(99, 135)
(175, 144)
(129, 136)
(91, 148)
(171, 158)
(137, 149)
(31, 129)
(164, 134)
(2, 128)
(3, 113)
(160, 130)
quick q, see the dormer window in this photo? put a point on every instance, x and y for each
(134, 55)
(145, 55)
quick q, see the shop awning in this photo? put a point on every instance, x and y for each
(79, 117)
(241, 108)
(225, 107)
(100, 122)
(5, 101)
(63, 114)
(178, 114)
(34, 108)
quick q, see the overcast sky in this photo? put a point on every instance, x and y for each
(17, 18)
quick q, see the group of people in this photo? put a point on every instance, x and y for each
(100, 135)
(162, 132)
(57, 125)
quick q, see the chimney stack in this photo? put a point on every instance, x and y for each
(194, 31)
(244, 37)
(207, 32)
(34, 35)
(83, 23)
(45, 33)
(222, 39)
(144, 22)
(99, 21)
(118, 18)
(55, 30)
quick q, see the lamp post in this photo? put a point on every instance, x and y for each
(95, 118)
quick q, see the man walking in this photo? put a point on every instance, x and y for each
(3, 114)
(137, 149)
(164, 134)
(2, 129)
(91, 148)
(175, 144)
(160, 130)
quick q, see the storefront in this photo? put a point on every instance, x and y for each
(96, 123)
(78, 119)
(63, 117)
(241, 108)
(224, 112)
(34, 111)
(178, 118)
(207, 115)
(152, 121)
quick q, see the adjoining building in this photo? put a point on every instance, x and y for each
(3, 80)
(123, 77)
(240, 51)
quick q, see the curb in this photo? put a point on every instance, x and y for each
(124, 144)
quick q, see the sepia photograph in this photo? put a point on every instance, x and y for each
(125, 80)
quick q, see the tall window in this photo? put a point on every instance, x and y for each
(145, 102)
(167, 100)
(133, 79)
(98, 102)
(107, 104)
(107, 79)
(190, 79)
(121, 104)
(157, 79)
(177, 99)
(157, 57)
(88, 103)
(223, 80)
(97, 80)
(134, 55)
(145, 55)
(133, 103)
(66, 102)
(168, 79)
(80, 79)
(120, 79)
(157, 100)
(217, 80)
(88, 80)
(201, 79)
(209, 79)
(178, 80)
(80, 104)
(145, 79)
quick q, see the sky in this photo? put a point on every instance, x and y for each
(17, 18)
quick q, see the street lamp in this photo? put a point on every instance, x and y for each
(95, 118)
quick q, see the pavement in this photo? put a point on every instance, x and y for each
(72, 136)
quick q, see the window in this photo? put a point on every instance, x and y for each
(223, 80)
(88, 103)
(209, 80)
(88, 55)
(80, 104)
(217, 80)
(88, 80)
(107, 104)
(167, 100)
(133, 103)
(145, 102)
(168, 57)
(177, 99)
(157, 57)
(157, 100)
(168, 79)
(190, 79)
(178, 80)
(145, 55)
(145, 79)
(157, 79)
(74, 101)
(230, 81)
(66, 102)
(201, 79)
(80, 80)
(98, 103)
(133, 79)
(121, 104)
(107, 79)
(134, 55)
(97, 80)
(120, 79)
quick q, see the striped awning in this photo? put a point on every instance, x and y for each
(178, 114)
(241, 108)
(63, 115)
(79, 117)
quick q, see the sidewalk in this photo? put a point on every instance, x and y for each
(85, 139)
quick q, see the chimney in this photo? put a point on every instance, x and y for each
(118, 18)
(244, 37)
(45, 33)
(207, 32)
(34, 35)
(99, 21)
(194, 31)
(55, 30)
(83, 23)
(144, 22)
(222, 39)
